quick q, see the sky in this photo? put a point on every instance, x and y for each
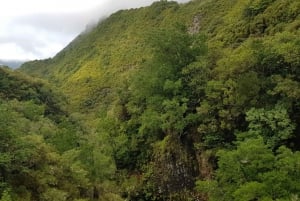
(38, 29)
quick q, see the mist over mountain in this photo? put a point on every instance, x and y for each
(12, 63)
(56, 22)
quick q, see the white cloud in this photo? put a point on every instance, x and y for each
(35, 29)
(17, 7)
(11, 51)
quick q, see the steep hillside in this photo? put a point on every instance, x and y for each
(198, 101)
(36, 140)
(88, 68)
(99, 61)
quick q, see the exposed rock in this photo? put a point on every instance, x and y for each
(195, 27)
(174, 167)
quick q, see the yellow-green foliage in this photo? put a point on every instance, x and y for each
(154, 86)
(98, 62)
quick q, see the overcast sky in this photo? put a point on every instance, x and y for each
(37, 29)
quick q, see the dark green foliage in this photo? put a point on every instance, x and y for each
(39, 158)
(256, 7)
(252, 171)
(157, 98)
(14, 85)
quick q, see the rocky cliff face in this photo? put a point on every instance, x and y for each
(174, 166)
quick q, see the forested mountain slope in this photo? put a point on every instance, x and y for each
(198, 101)
(39, 157)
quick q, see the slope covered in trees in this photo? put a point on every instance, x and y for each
(43, 150)
(198, 101)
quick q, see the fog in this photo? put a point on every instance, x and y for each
(35, 29)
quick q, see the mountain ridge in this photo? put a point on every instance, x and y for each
(195, 101)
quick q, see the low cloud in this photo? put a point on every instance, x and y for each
(40, 35)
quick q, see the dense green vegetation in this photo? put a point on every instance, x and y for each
(169, 102)
(44, 151)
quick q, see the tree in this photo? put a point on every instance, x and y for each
(273, 125)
